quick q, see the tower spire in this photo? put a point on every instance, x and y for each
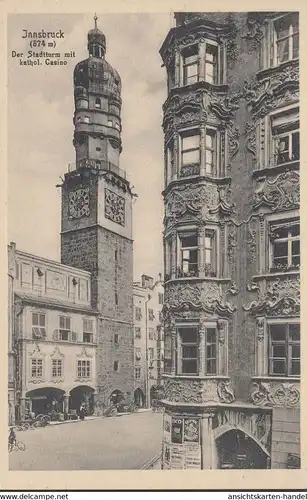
(95, 20)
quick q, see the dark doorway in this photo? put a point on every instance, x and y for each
(82, 395)
(46, 400)
(139, 398)
(236, 450)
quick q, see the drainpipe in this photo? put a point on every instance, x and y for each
(147, 395)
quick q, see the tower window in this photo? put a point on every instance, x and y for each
(116, 299)
(97, 103)
(110, 123)
(116, 366)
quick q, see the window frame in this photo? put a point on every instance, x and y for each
(86, 332)
(185, 65)
(41, 328)
(191, 132)
(211, 268)
(287, 359)
(84, 369)
(275, 225)
(137, 372)
(195, 344)
(39, 370)
(291, 34)
(212, 358)
(68, 330)
(56, 363)
(213, 133)
(180, 249)
(216, 76)
(137, 335)
(138, 313)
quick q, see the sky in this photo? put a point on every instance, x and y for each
(40, 127)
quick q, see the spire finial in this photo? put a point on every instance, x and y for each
(95, 20)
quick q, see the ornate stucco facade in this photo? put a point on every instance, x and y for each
(53, 336)
(231, 241)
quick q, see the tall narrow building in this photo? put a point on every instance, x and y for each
(96, 233)
(231, 239)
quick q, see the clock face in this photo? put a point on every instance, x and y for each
(114, 207)
(79, 203)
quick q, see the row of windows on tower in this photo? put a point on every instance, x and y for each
(283, 145)
(283, 250)
(112, 122)
(204, 61)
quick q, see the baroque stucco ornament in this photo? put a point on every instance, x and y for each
(280, 193)
(182, 390)
(276, 298)
(279, 87)
(275, 394)
(190, 199)
(208, 296)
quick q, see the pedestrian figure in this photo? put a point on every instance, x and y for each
(12, 438)
(82, 412)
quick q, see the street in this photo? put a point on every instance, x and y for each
(122, 442)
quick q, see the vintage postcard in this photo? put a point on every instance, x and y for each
(153, 257)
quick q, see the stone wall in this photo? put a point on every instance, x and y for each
(285, 436)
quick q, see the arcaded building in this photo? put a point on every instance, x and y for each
(232, 241)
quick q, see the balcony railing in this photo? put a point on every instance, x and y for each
(98, 165)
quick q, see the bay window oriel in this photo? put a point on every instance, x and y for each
(202, 62)
(199, 350)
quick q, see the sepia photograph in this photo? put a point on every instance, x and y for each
(153, 241)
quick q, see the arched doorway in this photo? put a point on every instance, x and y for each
(116, 398)
(238, 450)
(139, 398)
(46, 400)
(82, 394)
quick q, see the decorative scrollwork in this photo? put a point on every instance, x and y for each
(275, 394)
(280, 193)
(277, 298)
(225, 391)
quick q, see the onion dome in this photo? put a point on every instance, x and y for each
(96, 41)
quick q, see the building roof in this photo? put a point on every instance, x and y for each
(55, 303)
